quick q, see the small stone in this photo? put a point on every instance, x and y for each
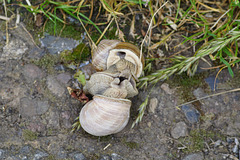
(56, 45)
(105, 157)
(116, 156)
(32, 72)
(53, 119)
(217, 143)
(79, 156)
(29, 107)
(191, 114)
(2, 154)
(211, 82)
(166, 88)
(194, 156)
(40, 155)
(25, 150)
(63, 78)
(233, 129)
(180, 130)
(54, 86)
(66, 119)
(36, 127)
(14, 50)
(152, 105)
(62, 154)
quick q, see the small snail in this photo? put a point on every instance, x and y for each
(118, 65)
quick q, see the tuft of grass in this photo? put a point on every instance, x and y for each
(29, 135)
(198, 139)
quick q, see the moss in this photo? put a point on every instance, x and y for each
(186, 85)
(197, 138)
(80, 53)
(48, 62)
(29, 135)
(130, 144)
(69, 31)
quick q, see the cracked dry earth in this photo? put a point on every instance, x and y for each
(36, 113)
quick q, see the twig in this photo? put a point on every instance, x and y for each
(105, 30)
(219, 19)
(29, 35)
(5, 10)
(216, 94)
(29, 4)
(4, 18)
(149, 27)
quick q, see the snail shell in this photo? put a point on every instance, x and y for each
(99, 57)
(109, 52)
(111, 85)
(104, 115)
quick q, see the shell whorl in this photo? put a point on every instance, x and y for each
(107, 115)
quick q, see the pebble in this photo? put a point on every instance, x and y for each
(211, 81)
(166, 88)
(2, 154)
(64, 78)
(105, 157)
(115, 156)
(180, 130)
(191, 114)
(78, 156)
(56, 45)
(25, 150)
(32, 72)
(194, 156)
(53, 119)
(152, 105)
(217, 143)
(14, 50)
(233, 129)
(39, 155)
(54, 86)
(32, 107)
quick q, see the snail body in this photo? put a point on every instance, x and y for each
(118, 64)
(107, 115)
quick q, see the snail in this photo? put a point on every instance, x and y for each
(104, 115)
(109, 52)
(118, 64)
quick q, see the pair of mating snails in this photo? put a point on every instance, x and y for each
(119, 64)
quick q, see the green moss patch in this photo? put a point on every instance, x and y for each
(29, 135)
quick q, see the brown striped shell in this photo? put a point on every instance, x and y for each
(109, 52)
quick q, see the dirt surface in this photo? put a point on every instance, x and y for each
(37, 112)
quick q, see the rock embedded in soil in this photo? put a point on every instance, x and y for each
(14, 50)
(39, 155)
(54, 86)
(179, 130)
(78, 156)
(153, 105)
(194, 156)
(166, 88)
(32, 72)
(32, 107)
(56, 45)
(191, 114)
(64, 78)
